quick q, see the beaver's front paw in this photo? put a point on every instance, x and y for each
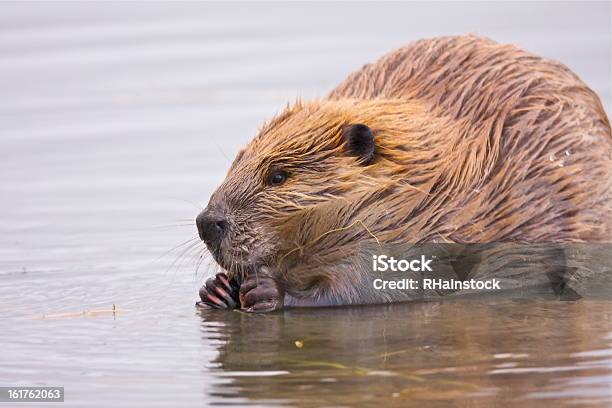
(259, 293)
(219, 292)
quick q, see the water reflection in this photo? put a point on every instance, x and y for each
(482, 353)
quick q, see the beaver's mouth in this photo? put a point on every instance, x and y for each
(235, 263)
(235, 248)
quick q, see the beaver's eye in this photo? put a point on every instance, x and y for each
(277, 177)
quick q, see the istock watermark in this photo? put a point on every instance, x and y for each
(383, 263)
(550, 270)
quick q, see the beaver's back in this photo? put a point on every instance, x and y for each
(469, 76)
(546, 133)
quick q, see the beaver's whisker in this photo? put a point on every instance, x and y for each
(170, 226)
(196, 205)
(188, 253)
(189, 241)
(199, 262)
(205, 255)
(182, 256)
(233, 262)
(210, 264)
(222, 152)
(241, 266)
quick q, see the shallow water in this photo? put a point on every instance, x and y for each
(115, 118)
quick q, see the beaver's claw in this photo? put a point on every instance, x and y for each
(219, 292)
(259, 293)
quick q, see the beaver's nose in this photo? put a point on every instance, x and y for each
(211, 227)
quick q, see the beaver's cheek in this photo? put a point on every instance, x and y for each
(258, 243)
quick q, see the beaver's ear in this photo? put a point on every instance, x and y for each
(359, 142)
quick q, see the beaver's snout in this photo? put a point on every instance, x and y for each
(212, 227)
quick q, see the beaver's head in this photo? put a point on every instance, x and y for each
(309, 156)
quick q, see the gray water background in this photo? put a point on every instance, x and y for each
(117, 120)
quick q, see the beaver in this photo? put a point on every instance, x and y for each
(447, 140)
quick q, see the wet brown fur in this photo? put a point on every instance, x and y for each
(475, 142)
